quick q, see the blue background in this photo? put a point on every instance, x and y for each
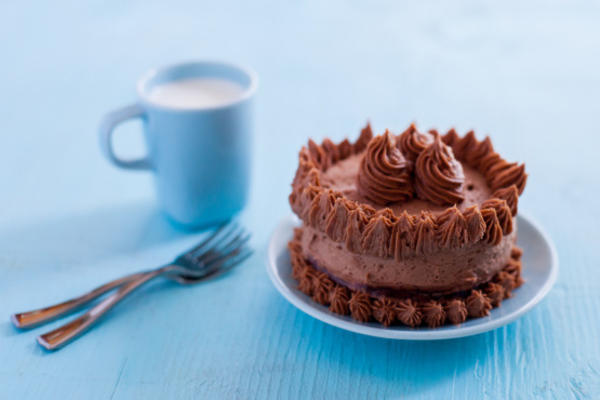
(524, 72)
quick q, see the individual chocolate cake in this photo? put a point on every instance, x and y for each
(414, 229)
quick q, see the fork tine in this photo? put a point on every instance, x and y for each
(233, 248)
(225, 238)
(210, 238)
(243, 255)
(229, 261)
(243, 238)
(214, 268)
(239, 237)
(239, 259)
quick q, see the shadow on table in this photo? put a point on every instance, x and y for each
(395, 367)
(105, 232)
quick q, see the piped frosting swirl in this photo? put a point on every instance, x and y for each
(433, 313)
(439, 176)
(384, 176)
(411, 142)
(456, 310)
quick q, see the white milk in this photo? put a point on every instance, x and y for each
(195, 93)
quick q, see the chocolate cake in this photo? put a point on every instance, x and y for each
(416, 229)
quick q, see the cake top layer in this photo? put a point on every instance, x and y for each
(410, 192)
(343, 177)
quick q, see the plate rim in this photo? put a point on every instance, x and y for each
(291, 296)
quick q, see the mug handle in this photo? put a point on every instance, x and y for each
(107, 127)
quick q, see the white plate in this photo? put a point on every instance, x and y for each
(540, 268)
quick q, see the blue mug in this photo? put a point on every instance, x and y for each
(200, 157)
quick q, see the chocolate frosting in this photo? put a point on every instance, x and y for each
(377, 242)
(441, 272)
(305, 280)
(304, 201)
(320, 207)
(502, 212)
(475, 223)
(439, 176)
(335, 225)
(360, 306)
(516, 253)
(463, 147)
(456, 311)
(478, 152)
(507, 281)
(504, 174)
(346, 220)
(425, 233)
(403, 236)
(511, 195)
(411, 311)
(339, 300)
(366, 134)
(478, 304)
(450, 138)
(493, 231)
(384, 310)
(357, 220)
(433, 313)
(452, 229)
(322, 285)
(412, 143)
(345, 149)
(331, 151)
(318, 155)
(385, 175)
(495, 292)
(514, 264)
(489, 161)
(408, 313)
(376, 237)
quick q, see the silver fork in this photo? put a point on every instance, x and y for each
(222, 250)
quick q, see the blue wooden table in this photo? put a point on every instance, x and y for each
(524, 72)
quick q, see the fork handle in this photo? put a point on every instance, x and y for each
(74, 329)
(29, 319)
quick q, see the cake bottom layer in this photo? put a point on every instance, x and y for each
(412, 309)
(442, 272)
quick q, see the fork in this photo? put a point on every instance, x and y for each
(222, 250)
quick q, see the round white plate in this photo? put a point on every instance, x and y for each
(540, 268)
